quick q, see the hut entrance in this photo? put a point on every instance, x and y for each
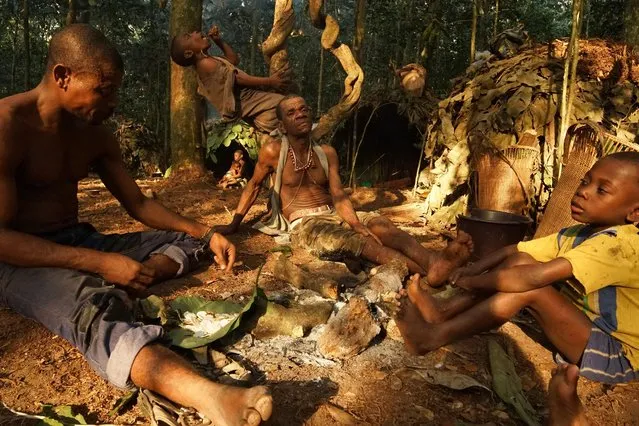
(389, 151)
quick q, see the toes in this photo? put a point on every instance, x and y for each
(253, 418)
(572, 375)
(264, 406)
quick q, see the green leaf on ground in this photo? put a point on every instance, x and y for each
(507, 384)
(449, 379)
(61, 415)
(122, 402)
(186, 338)
(154, 307)
(286, 250)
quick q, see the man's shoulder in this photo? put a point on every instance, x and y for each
(328, 149)
(331, 155)
(272, 148)
(14, 117)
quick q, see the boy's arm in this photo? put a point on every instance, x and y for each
(278, 81)
(266, 162)
(519, 278)
(492, 260)
(229, 53)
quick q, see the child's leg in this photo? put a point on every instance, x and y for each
(436, 311)
(565, 406)
(565, 326)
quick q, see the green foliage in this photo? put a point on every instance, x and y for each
(435, 33)
(61, 415)
(222, 133)
(185, 338)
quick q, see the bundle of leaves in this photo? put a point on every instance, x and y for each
(224, 133)
(498, 101)
(192, 321)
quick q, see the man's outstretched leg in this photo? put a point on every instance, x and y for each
(566, 327)
(436, 311)
(563, 401)
(437, 264)
(162, 371)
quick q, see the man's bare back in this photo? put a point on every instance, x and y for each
(47, 164)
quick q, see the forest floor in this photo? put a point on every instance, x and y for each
(378, 387)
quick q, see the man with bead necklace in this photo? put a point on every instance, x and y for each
(309, 203)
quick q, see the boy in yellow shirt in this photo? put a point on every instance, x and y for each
(590, 313)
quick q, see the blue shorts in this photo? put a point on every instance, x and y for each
(603, 360)
(94, 316)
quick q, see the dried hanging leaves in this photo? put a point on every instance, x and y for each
(494, 105)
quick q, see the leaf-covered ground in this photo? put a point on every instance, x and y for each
(383, 385)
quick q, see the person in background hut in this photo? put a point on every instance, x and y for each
(234, 177)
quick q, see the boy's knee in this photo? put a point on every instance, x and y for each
(518, 259)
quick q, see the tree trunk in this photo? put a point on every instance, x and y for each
(186, 113)
(569, 82)
(496, 20)
(320, 82)
(360, 21)
(27, 42)
(71, 14)
(358, 39)
(631, 29)
(14, 42)
(254, 22)
(473, 32)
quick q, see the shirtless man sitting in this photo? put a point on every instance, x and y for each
(66, 275)
(308, 201)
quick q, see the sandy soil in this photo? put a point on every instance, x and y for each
(379, 386)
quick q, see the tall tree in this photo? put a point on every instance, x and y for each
(358, 40)
(27, 42)
(473, 31)
(71, 13)
(630, 24)
(186, 108)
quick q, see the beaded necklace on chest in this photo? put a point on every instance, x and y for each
(301, 167)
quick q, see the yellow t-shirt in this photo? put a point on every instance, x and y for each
(605, 266)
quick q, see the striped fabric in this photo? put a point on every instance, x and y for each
(603, 360)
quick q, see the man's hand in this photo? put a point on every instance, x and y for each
(214, 33)
(123, 271)
(363, 230)
(280, 80)
(229, 229)
(223, 251)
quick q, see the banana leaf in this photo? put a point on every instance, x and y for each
(186, 338)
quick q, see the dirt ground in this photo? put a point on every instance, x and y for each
(379, 386)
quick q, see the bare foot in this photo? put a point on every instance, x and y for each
(423, 301)
(233, 406)
(418, 334)
(453, 256)
(565, 406)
